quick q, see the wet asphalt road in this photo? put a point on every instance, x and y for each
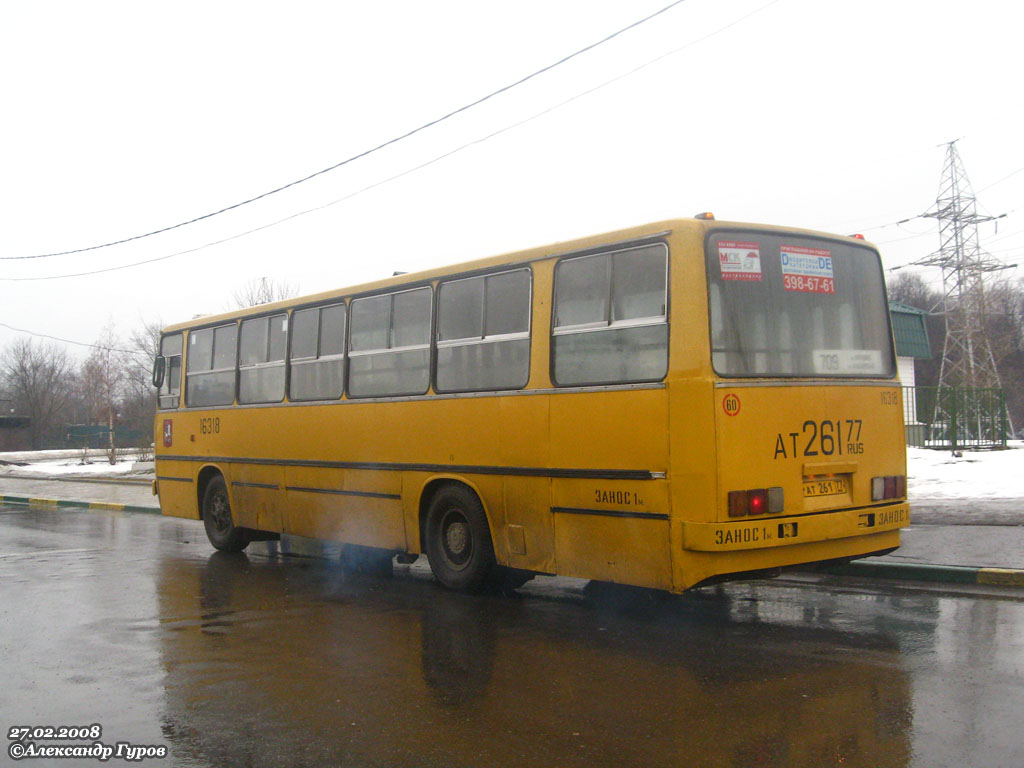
(132, 622)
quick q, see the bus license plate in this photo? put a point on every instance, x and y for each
(833, 486)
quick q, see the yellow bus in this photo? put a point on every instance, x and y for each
(664, 406)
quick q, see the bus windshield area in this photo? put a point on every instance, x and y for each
(787, 306)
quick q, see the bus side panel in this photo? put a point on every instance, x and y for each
(177, 488)
(528, 530)
(694, 459)
(616, 430)
(256, 493)
(624, 552)
(352, 505)
(526, 534)
(612, 530)
(465, 437)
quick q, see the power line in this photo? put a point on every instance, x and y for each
(365, 153)
(70, 341)
(1000, 181)
(903, 239)
(1006, 236)
(408, 171)
(890, 224)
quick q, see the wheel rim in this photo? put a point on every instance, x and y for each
(456, 538)
(220, 513)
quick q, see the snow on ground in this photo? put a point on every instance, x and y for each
(933, 474)
(62, 462)
(98, 467)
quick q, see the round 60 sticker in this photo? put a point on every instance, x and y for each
(731, 404)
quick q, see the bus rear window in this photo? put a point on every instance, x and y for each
(783, 305)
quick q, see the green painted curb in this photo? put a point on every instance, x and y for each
(947, 574)
(72, 504)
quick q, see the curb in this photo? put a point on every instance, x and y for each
(949, 574)
(136, 480)
(66, 504)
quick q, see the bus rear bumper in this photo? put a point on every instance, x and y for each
(788, 531)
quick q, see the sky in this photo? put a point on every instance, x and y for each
(122, 118)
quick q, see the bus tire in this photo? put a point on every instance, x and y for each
(220, 527)
(458, 540)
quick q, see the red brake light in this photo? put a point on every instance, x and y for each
(758, 501)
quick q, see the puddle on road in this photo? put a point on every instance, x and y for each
(270, 660)
(267, 660)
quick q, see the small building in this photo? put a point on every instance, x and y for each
(15, 434)
(911, 336)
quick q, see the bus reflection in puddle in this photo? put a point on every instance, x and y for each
(291, 661)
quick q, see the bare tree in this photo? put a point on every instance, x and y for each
(103, 376)
(39, 377)
(1005, 329)
(139, 400)
(143, 346)
(263, 290)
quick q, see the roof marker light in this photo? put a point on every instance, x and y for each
(708, 215)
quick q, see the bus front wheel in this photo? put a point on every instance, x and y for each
(458, 541)
(220, 528)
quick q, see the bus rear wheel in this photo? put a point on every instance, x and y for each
(458, 540)
(220, 527)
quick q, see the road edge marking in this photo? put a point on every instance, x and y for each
(32, 501)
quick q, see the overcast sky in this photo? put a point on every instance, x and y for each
(124, 118)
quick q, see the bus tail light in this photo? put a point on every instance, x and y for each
(759, 501)
(888, 487)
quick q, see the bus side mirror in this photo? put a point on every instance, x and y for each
(159, 368)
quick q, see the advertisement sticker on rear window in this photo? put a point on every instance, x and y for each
(739, 261)
(807, 269)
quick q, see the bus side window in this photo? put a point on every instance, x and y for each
(170, 391)
(210, 366)
(261, 367)
(389, 350)
(611, 317)
(483, 333)
(318, 353)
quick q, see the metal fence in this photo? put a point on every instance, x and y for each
(98, 436)
(954, 418)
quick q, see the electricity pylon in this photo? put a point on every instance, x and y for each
(967, 359)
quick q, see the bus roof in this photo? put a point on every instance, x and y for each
(539, 253)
